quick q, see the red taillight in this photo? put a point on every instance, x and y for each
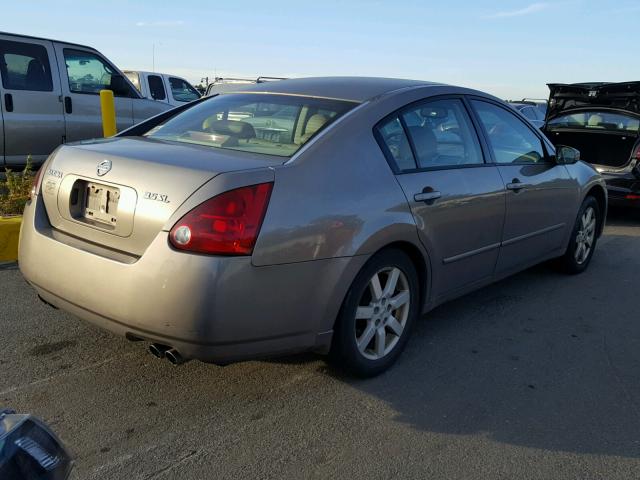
(227, 224)
(636, 155)
(632, 197)
(35, 186)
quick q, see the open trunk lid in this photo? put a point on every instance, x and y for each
(119, 193)
(620, 96)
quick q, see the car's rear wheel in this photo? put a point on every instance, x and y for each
(376, 316)
(583, 238)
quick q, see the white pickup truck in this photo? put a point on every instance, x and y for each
(162, 87)
(50, 94)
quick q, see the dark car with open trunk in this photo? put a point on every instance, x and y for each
(602, 120)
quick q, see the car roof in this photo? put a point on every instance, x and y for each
(18, 35)
(355, 89)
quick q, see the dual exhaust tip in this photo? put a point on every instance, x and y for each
(164, 351)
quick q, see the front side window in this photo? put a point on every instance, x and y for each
(442, 135)
(182, 91)
(156, 87)
(597, 120)
(258, 123)
(25, 66)
(88, 73)
(511, 140)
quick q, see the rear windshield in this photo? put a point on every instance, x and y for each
(596, 120)
(258, 123)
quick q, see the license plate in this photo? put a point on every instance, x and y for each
(101, 203)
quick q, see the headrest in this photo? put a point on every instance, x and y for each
(235, 128)
(315, 123)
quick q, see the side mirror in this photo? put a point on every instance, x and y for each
(567, 155)
(30, 450)
(119, 86)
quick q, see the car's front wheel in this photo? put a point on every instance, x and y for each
(583, 238)
(376, 316)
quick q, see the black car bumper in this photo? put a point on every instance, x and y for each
(623, 189)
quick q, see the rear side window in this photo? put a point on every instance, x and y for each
(182, 91)
(442, 135)
(396, 144)
(156, 87)
(511, 140)
(25, 66)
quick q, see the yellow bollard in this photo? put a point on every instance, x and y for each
(108, 107)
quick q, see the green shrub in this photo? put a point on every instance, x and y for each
(15, 190)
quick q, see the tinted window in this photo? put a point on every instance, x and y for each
(25, 66)
(182, 91)
(88, 73)
(396, 144)
(442, 135)
(269, 124)
(511, 140)
(596, 120)
(156, 87)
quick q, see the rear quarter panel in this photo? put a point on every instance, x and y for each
(589, 182)
(339, 199)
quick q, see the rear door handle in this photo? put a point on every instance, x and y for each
(8, 102)
(68, 106)
(427, 196)
(517, 185)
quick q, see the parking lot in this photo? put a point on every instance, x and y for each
(537, 376)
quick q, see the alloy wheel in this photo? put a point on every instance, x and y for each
(585, 236)
(382, 313)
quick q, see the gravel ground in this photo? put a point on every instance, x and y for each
(537, 376)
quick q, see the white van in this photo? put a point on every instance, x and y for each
(162, 87)
(49, 94)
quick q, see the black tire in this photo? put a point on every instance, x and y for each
(568, 262)
(345, 353)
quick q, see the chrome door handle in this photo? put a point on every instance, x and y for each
(426, 196)
(516, 186)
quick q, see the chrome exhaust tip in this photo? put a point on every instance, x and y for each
(174, 357)
(158, 350)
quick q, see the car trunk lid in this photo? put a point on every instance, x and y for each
(119, 193)
(620, 96)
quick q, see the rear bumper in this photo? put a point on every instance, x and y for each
(216, 309)
(623, 189)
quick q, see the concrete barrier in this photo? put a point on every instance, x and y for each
(9, 235)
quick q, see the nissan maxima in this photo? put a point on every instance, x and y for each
(319, 214)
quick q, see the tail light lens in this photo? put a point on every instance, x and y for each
(35, 186)
(227, 224)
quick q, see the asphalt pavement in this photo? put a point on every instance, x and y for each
(535, 377)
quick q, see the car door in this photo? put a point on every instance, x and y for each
(84, 73)
(457, 199)
(540, 193)
(30, 97)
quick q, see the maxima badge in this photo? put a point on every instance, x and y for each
(103, 167)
